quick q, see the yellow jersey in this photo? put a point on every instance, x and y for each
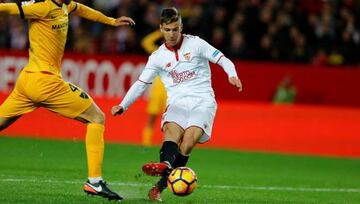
(48, 28)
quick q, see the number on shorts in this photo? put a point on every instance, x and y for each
(73, 87)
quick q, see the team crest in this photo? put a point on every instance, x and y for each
(187, 56)
(168, 65)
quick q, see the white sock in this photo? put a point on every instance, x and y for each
(95, 180)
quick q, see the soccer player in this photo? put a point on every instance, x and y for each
(156, 105)
(182, 63)
(40, 83)
(157, 99)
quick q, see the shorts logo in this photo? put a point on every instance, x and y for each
(84, 95)
(187, 56)
(205, 126)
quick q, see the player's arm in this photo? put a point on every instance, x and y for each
(137, 89)
(28, 11)
(149, 41)
(9, 8)
(94, 15)
(230, 70)
(215, 56)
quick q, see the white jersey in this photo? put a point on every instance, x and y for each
(184, 70)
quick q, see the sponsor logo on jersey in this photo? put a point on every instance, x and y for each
(182, 76)
(59, 26)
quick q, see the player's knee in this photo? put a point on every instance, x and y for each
(186, 147)
(3, 124)
(99, 117)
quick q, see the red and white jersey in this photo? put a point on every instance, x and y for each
(184, 69)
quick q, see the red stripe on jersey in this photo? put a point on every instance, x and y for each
(144, 82)
(176, 55)
(219, 59)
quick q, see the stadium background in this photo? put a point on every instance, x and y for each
(313, 42)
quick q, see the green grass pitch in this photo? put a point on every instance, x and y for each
(45, 171)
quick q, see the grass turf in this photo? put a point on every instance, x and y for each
(45, 171)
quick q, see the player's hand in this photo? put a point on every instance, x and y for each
(124, 20)
(117, 110)
(236, 82)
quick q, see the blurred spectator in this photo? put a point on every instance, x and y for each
(307, 31)
(285, 92)
(18, 35)
(320, 58)
(237, 48)
(4, 33)
(82, 41)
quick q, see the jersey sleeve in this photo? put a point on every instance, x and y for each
(138, 88)
(150, 71)
(33, 9)
(208, 51)
(72, 6)
(26, 9)
(89, 13)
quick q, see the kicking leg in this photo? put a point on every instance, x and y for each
(189, 140)
(168, 152)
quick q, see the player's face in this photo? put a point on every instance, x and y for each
(66, 1)
(171, 32)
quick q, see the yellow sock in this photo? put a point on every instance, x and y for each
(147, 136)
(94, 149)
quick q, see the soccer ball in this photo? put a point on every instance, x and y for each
(182, 181)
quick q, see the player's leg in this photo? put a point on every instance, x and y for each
(95, 145)
(70, 101)
(6, 122)
(149, 130)
(156, 105)
(188, 142)
(172, 136)
(94, 141)
(18, 102)
(191, 137)
(199, 131)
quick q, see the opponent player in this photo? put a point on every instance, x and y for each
(182, 63)
(40, 83)
(157, 97)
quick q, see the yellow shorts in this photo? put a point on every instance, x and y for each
(33, 90)
(157, 99)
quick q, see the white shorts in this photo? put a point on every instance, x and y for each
(190, 111)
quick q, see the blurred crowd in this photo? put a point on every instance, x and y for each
(305, 31)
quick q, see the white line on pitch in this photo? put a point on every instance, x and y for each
(263, 188)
